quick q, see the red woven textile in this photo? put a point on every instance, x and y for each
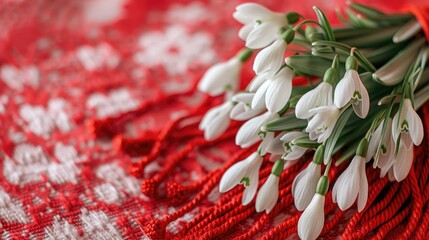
(84, 97)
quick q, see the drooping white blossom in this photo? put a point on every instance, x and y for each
(216, 121)
(275, 92)
(242, 110)
(221, 77)
(387, 148)
(322, 124)
(257, 82)
(268, 138)
(352, 184)
(260, 24)
(268, 194)
(407, 125)
(403, 161)
(304, 185)
(245, 172)
(248, 134)
(292, 151)
(270, 58)
(318, 97)
(311, 222)
(351, 88)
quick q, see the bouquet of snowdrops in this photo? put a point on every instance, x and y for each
(366, 80)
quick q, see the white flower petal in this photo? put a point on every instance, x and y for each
(247, 135)
(253, 174)
(233, 175)
(311, 222)
(403, 162)
(304, 185)
(279, 91)
(363, 189)
(346, 187)
(270, 58)
(262, 35)
(320, 96)
(362, 108)
(259, 98)
(345, 89)
(217, 78)
(268, 194)
(257, 11)
(414, 122)
(256, 82)
(245, 31)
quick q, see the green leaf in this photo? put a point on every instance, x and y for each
(365, 10)
(308, 64)
(325, 23)
(286, 123)
(305, 142)
(332, 140)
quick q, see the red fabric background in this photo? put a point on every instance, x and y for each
(56, 180)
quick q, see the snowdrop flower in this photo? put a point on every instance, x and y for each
(257, 82)
(318, 97)
(220, 77)
(248, 134)
(353, 182)
(402, 162)
(276, 146)
(387, 147)
(224, 76)
(322, 124)
(245, 172)
(351, 89)
(270, 58)
(260, 24)
(266, 141)
(242, 109)
(305, 183)
(407, 125)
(276, 91)
(292, 151)
(216, 121)
(311, 222)
(269, 192)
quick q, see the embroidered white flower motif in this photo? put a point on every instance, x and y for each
(304, 185)
(260, 24)
(242, 109)
(350, 88)
(350, 184)
(311, 222)
(221, 77)
(407, 125)
(292, 151)
(98, 57)
(268, 194)
(216, 121)
(318, 97)
(17, 78)
(322, 124)
(248, 134)
(402, 162)
(276, 91)
(246, 172)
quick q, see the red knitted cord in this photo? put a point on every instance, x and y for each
(217, 213)
(384, 216)
(173, 160)
(422, 229)
(387, 227)
(417, 206)
(156, 228)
